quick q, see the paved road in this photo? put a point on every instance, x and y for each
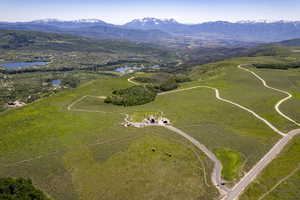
(257, 169)
(276, 149)
(216, 174)
(271, 155)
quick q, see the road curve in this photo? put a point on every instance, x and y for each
(278, 90)
(237, 190)
(131, 81)
(217, 93)
(216, 176)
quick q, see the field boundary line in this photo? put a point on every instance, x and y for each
(260, 166)
(279, 182)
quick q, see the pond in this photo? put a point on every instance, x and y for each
(56, 82)
(15, 65)
(125, 69)
(155, 67)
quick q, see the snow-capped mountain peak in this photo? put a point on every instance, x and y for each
(87, 20)
(50, 20)
(264, 21)
(153, 21)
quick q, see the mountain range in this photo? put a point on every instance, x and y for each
(167, 31)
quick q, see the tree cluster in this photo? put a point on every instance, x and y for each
(283, 66)
(19, 189)
(136, 95)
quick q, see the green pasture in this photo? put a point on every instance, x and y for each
(91, 155)
(232, 162)
(283, 172)
(87, 152)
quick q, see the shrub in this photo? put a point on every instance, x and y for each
(19, 189)
(182, 78)
(71, 81)
(144, 79)
(167, 85)
(283, 66)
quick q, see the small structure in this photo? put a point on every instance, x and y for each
(15, 104)
(163, 121)
(150, 121)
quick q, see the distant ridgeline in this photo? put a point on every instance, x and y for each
(284, 66)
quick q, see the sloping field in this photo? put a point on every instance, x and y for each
(216, 124)
(281, 179)
(242, 87)
(75, 142)
(287, 80)
(91, 156)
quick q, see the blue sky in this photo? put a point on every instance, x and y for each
(122, 11)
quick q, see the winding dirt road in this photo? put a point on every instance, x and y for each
(235, 192)
(278, 90)
(216, 177)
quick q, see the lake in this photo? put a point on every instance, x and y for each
(15, 65)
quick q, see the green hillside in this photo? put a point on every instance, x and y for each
(73, 145)
(36, 41)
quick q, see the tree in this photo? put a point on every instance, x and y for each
(71, 81)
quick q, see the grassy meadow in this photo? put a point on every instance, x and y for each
(201, 115)
(281, 179)
(87, 152)
(92, 156)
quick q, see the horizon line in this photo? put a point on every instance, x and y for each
(130, 20)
